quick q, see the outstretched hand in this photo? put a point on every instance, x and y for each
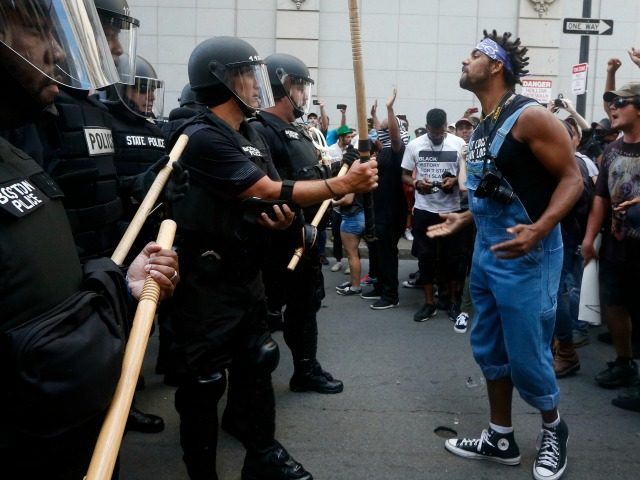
(452, 223)
(392, 98)
(634, 55)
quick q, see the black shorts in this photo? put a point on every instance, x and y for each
(619, 282)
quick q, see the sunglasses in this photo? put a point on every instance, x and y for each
(621, 102)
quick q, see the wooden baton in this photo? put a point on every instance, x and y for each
(364, 146)
(121, 251)
(108, 444)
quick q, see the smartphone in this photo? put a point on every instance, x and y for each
(341, 106)
(254, 207)
(316, 102)
(558, 101)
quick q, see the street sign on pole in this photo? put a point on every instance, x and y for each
(579, 78)
(539, 90)
(587, 26)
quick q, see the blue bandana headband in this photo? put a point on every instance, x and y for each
(495, 52)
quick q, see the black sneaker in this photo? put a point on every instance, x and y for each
(273, 463)
(551, 460)
(371, 294)
(629, 399)
(383, 304)
(618, 374)
(493, 446)
(427, 311)
(462, 323)
(348, 291)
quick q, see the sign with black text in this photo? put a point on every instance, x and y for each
(587, 26)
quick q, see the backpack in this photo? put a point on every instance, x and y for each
(60, 369)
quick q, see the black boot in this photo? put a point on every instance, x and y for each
(144, 422)
(308, 376)
(273, 463)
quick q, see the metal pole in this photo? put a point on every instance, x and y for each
(581, 101)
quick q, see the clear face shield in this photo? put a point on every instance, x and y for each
(299, 92)
(145, 97)
(121, 32)
(250, 83)
(62, 39)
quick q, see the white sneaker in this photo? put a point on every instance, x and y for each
(408, 235)
(347, 271)
(462, 322)
(336, 267)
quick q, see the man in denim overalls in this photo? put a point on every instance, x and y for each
(517, 196)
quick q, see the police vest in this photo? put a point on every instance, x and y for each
(79, 155)
(295, 156)
(138, 142)
(213, 222)
(39, 266)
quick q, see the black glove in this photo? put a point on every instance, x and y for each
(350, 155)
(150, 174)
(178, 183)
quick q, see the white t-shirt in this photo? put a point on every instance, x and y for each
(335, 152)
(430, 162)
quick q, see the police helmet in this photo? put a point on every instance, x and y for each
(121, 29)
(75, 52)
(289, 77)
(187, 97)
(221, 68)
(146, 96)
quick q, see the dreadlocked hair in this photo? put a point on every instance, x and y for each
(516, 53)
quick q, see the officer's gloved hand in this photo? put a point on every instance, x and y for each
(151, 173)
(350, 155)
(178, 183)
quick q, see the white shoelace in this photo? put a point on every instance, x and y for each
(476, 442)
(549, 454)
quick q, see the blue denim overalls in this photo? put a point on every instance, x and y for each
(514, 299)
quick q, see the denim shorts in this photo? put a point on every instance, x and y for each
(353, 224)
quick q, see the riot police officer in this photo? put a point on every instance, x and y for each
(219, 319)
(295, 158)
(51, 410)
(73, 142)
(188, 108)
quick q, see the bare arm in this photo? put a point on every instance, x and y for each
(610, 82)
(323, 122)
(392, 121)
(571, 109)
(539, 129)
(599, 208)
(374, 115)
(361, 178)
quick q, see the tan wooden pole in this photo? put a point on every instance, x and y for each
(364, 147)
(108, 444)
(148, 202)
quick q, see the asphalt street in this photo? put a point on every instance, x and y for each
(402, 380)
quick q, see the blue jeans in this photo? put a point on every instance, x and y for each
(515, 302)
(569, 294)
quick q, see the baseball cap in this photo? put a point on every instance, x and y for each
(343, 130)
(464, 120)
(631, 89)
(311, 114)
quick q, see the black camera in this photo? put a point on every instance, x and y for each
(558, 102)
(490, 186)
(316, 102)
